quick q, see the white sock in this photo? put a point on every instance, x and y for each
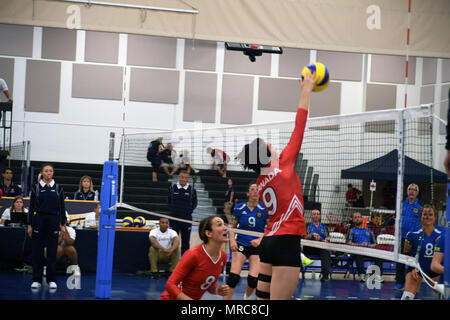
(408, 295)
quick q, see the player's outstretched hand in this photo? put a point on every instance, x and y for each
(308, 81)
(223, 290)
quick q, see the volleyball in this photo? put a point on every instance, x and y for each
(127, 222)
(321, 71)
(139, 222)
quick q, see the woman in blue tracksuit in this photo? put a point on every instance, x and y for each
(46, 218)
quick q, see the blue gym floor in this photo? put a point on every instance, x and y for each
(15, 285)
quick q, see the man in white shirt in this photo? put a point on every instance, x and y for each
(4, 89)
(93, 217)
(164, 246)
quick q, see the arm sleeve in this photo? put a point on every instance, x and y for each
(32, 204)
(292, 149)
(169, 197)
(183, 268)
(308, 229)
(62, 208)
(194, 198)
(236, 214)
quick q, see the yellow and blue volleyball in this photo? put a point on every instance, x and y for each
(139, 222)
(127, 222)
(321, 71)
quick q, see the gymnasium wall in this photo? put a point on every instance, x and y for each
(71, 88)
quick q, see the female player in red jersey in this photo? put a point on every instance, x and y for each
(199, 268)
(280, 190)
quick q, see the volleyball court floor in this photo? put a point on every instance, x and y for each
(16, 286)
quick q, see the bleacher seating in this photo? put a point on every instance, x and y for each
(217, 186)
(139, 190)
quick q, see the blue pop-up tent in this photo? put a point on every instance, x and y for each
(385, 168)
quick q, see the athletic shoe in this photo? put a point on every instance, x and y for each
(399, 287)
(307, 261)
(35, 285)
(52, 285)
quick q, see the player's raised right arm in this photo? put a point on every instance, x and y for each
(307, 85)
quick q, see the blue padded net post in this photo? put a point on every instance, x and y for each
(447, 246)
(107, 228)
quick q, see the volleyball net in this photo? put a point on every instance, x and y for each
(378, 153)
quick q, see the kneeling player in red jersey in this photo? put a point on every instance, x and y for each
(199, 268)
(280, 190)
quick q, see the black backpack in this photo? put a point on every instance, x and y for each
(152, 150)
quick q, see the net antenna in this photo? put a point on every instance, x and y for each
(252, 50)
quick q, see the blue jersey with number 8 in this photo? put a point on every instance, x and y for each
(426, 243)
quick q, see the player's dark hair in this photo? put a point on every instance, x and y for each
(184, 171)
(250, 184)
(47, 165)
(205, 225)
(255, 155)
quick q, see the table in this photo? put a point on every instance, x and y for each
(130, 249)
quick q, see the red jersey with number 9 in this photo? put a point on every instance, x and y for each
(280, 189)
(195, 273)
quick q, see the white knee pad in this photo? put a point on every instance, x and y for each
(408, 295)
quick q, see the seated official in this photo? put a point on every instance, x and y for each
(66, 241)
(16, 213)
(86, 190)
(92, 219)
(362, 237)
(165, 246)
(318, 232)
(9, 188)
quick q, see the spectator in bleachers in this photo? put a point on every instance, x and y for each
(86, 190)
(165, 246)
(318, 232)
(353, 196)
(154, 156)
(182, 201)
(229, 200)
(4, 88)
(411, 210)
(438, 255)
(362, 237)
(9, 188)
(92, 219)
(168, 155)
(17, 207)
(183, 162)
(220, 159)
(66, 241)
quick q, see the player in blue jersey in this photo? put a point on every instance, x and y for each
(250, 216)
(438, 256)
(420, 244)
